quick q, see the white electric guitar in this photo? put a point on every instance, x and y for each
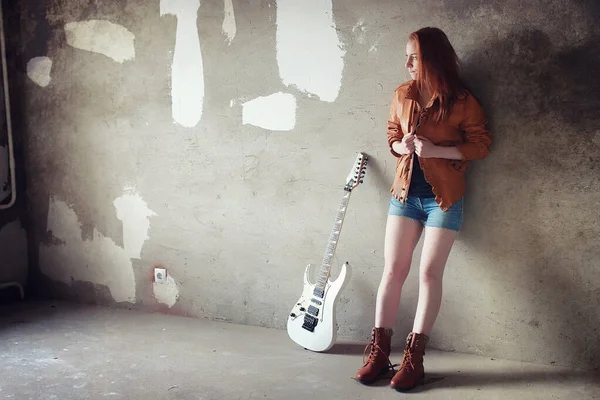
(312, 323)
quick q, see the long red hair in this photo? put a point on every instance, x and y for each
(439, 69)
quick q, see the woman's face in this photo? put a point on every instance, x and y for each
(412, 62)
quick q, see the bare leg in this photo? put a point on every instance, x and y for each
(436, 249)
(401, 236)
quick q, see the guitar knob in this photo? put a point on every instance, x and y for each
(293, 315)
(302, 309)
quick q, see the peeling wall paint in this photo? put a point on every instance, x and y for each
(166, 293)
(187, 71)
(133, 211)
(375, 45)
(309, 52)
(275, 112)
(359, 30)
(98, 260)
(103, 37)
(229, 26)
(38, 70)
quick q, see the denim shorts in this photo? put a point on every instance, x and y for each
(428, 212)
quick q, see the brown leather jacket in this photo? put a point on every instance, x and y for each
(464, 128)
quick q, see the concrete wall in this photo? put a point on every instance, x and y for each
(226, 166)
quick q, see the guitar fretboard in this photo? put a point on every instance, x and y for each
(331, 245)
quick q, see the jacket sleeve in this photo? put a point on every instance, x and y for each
(477, 137)
(394, 131)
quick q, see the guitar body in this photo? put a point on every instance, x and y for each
(313, 325)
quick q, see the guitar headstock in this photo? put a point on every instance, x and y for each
(357, 174)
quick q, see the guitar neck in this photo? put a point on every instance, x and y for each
(333, 241)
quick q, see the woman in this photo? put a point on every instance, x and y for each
(435, 128)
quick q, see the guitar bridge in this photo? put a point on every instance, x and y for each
(309, 323)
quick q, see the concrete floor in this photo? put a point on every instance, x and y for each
(64, 351)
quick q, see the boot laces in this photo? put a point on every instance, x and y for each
(407, 360)
(374, 351)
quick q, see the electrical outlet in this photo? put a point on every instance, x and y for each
(160, 275)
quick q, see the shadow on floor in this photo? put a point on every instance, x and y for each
(482, 379)
(342, 348)
(435, 380)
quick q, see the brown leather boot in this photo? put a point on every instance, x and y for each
(377, 362)
(411, 371)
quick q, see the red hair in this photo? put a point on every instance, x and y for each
(439, 69)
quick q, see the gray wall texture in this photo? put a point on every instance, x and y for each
(234, 211)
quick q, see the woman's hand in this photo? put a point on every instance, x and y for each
(406, 146)
(424, 148)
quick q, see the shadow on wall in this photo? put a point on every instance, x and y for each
(547, 162)
(20, 48)
(18, 212)
(535, 80)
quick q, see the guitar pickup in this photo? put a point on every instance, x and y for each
(309, 323)
(313, 310)
(317, 302)
(319, 293)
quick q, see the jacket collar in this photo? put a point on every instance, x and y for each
(413, 92)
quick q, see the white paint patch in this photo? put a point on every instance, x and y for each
(5, 187)
(229, 28)
(103, 37)
(276, 112)
(359, 31)
(187, 71)
(166, 293)
(133, 211)
(38, 70)
(309, 52)
(98, 260)
(376, 44)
